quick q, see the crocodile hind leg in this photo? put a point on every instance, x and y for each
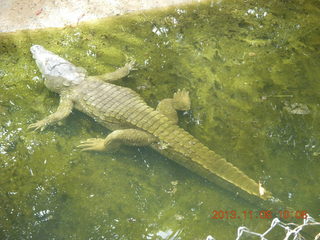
(169, 106)
(117, 74)
(131, 137)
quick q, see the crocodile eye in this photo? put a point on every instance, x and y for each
(66, 83)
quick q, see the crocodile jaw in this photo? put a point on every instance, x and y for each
(58, 72)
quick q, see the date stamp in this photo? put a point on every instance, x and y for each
(263, 214)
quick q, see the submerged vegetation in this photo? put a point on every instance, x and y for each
(252, 69)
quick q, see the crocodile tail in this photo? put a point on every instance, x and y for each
(180, 146)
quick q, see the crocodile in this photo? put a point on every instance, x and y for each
(133, 122)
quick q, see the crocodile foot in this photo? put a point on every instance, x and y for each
(93, 144)
(130, 63)
(40, 125)
(181, 100)
(99, 145)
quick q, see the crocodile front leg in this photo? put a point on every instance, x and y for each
(63, 111)
(117, 74)
(131, 137)
(169, 106)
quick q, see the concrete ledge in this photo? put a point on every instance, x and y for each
(25, 14)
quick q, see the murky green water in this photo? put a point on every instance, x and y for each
(252, 69)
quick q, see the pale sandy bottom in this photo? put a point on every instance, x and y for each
(26, 14)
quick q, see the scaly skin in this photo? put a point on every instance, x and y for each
(133, 122)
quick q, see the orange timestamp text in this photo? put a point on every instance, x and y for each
(263, 214)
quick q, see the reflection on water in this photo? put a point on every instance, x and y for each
(251, 69)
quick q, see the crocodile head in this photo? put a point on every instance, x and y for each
(59, 74)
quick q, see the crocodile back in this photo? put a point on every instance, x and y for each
(111, 105)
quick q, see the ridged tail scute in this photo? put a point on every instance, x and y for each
(181, 147)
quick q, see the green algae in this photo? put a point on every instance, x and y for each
(243, 64)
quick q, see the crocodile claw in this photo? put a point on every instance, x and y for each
(182, 100)
(40, 125)
(92, 144)
(130, 63)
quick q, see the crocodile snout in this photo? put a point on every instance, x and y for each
(36, 49)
